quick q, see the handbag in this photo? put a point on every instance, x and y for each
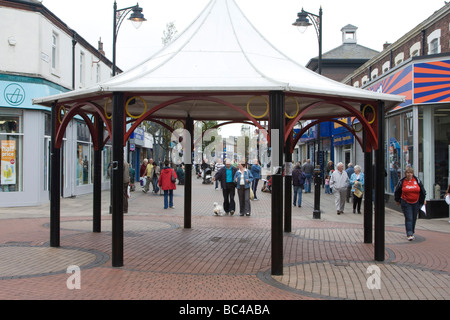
(173, 177)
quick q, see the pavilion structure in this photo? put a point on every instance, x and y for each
(220, 68)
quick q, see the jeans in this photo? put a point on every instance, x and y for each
(155, 185)
(168, 198)
(255, 187)
(327, 189)
(410, 211)
(298, 190)
(308, 182)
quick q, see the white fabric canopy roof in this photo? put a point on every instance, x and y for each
(222, 55)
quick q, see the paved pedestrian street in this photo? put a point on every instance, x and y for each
(220, 257)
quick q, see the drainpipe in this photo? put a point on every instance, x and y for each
(424, 42)
(74, 43)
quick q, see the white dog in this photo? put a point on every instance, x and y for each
(218, 209)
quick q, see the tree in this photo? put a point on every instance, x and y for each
(169, 34)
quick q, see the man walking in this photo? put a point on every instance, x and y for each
(226, 177)
(339, 182)
(308, 170)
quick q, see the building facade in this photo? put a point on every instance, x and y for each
(332, 141)
(42, 56)
(417, 66)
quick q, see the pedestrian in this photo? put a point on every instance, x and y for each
(243, 179)
(327, 184)
(410, 194)
(148, 176)
(338, 183)
(357, 188)
(167, 181)
(226, 177)
(126, 183)
(256, 173)
(142, 176)
(298, 182)
(350, 170)
(180, 174)
(308, 169)
(156, 171)
(219, 165)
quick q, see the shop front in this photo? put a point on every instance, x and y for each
(418, 131)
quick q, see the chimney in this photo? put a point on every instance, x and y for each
(387, 44)
(100, 46)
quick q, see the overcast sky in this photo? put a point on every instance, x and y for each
(377, 21)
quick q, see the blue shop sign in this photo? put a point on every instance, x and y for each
(19, 91)
(137, 136)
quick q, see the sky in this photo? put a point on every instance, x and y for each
(378, 22)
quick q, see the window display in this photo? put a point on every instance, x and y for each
(11, 153)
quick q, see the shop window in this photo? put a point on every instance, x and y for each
(441, 149)
(11, 142)
(394, 153)
(84, 155)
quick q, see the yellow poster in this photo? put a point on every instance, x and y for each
(8, 162)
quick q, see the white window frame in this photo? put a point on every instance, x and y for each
(414, 50)
(399, 58)
(82, 68)
(386, 66)
(434, 37)
(55, 52)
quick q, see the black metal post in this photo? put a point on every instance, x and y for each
(188, 174)
(117, 179)
(276, 101)
(368, 189)
(320, 41)
(97, 205)
(55, 184)
(317, 186)
(288, 185)
(114, 39)
(379, 188)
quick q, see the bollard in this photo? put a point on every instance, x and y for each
(317, 185)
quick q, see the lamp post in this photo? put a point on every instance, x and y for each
(302, 23)
(119, 15)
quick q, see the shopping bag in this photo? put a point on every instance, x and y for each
(447, 199)
(252, 195)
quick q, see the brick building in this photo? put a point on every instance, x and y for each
(416, 66)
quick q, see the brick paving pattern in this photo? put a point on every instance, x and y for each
(220, 257)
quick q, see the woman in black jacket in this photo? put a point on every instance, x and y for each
(410, 194)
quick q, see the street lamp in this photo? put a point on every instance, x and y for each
(119, 15)
(303, 23)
